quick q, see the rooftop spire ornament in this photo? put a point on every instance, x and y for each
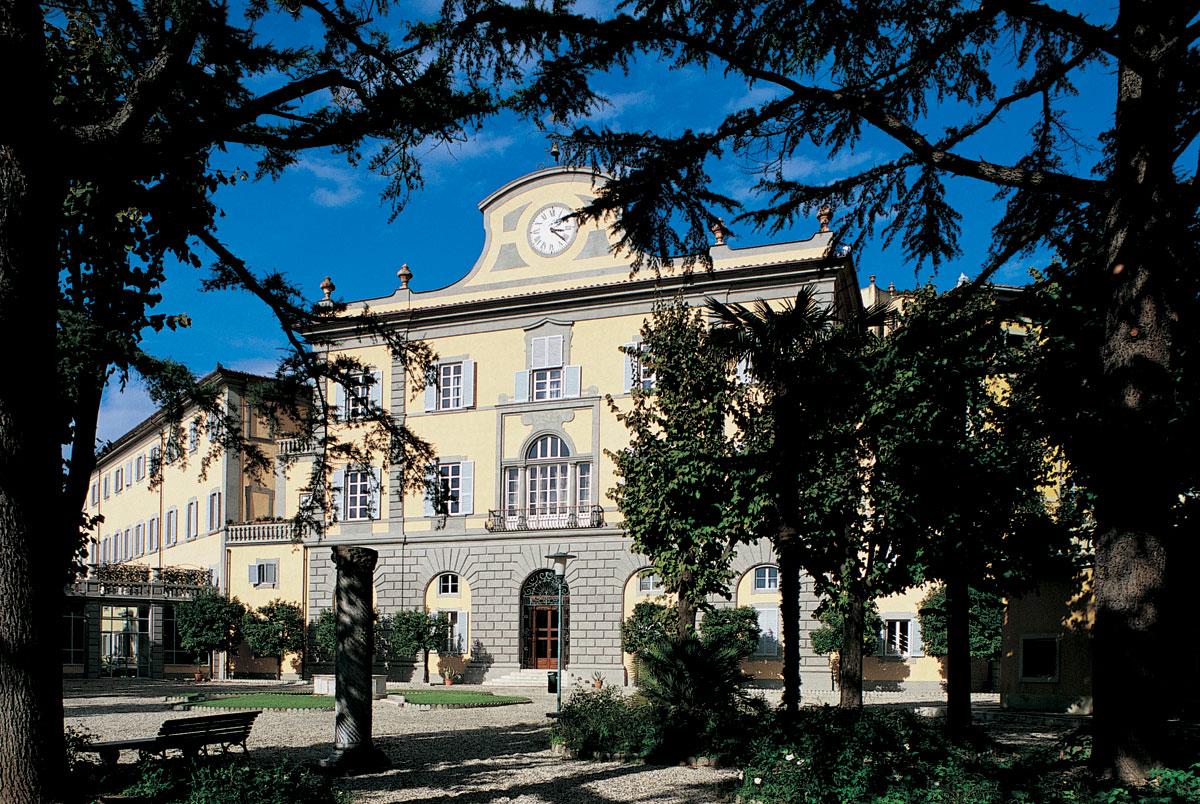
(328, 288)
(824, 216)
(719, 231)
(554, 152)
(405, 276)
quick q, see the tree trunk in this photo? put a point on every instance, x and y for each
(958, 653)
(1148, 251)
(789, 611)
(685, 608)
(850, 657)
(425, 665)
(34, 555)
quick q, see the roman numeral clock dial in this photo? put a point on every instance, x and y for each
(551, 232)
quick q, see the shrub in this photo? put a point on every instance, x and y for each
(229, 781)
(322, 638)
(275, 630)
(209, 622)
(874, 755)
(734, 628)
(697, 699)
(603, 722)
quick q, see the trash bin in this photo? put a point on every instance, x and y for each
(552, 681)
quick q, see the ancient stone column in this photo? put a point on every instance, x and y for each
(353, 662)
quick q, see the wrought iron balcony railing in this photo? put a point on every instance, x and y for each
(546, 517)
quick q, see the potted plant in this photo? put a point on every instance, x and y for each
(597, 679)
(449, 677)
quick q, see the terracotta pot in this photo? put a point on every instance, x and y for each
(448, 681)
(198, 676)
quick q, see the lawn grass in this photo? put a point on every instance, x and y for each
(269, 700)
(452, 697)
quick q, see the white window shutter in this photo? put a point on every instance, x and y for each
(376, 492)
(254, 575)
(915, 647)
(554, 351)
(129, 472)
(337, 496)
(431, 396)
(538, 356)
(463, 617)
(466, 492)
(468, 383)
(339, 399)
(521, 390)
(881, 641)
(272, 572)
(377, 389)
(430, 480)
(768, 626)
(630, 365)
(571, 376)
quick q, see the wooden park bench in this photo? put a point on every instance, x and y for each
(188, 735)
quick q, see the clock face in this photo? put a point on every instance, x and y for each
(551, 232)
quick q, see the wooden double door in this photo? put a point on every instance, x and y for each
(543, 637)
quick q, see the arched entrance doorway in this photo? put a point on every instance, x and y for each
(539, 620)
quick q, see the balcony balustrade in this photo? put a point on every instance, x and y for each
(546, 517)
(260, 532)
(294, 446)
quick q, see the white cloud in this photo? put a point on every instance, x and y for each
(618, 104)
(804, 168)
(474, 147)
(755, 96)
(340, 183)
(264, 366)
(122, 410)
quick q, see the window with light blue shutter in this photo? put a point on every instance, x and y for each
(431, 479)
(571, 382)
(466, 493)
(376, 493)
(521, 389)
(630, 375)
(468, 388)
(431, 397)
(339, 400)
(377, 389)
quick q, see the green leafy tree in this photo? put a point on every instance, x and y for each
(986, 622)
(416, 632)
(686, 497)
(209, 622)
(827, 638)
(109, 170)
(275, 629)
(959, 95)
(322, 637)
(813, 454)
(735, 628)
(963, 474)
(648, 624)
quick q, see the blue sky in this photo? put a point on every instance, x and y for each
(324, 217)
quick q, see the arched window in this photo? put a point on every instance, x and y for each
(548, 488)
(448, 584)
(548, 446)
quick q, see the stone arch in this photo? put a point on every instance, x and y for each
(545, 616)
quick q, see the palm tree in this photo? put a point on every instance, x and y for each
(772, 343)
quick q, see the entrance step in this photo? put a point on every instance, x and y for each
(519, 678)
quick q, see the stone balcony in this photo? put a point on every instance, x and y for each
(139, 582)
(294, 447)
(260, 532)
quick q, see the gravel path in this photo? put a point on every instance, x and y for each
(470, 755)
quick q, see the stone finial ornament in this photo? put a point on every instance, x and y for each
(824, 216)
(405, 276)
(328, 288)
(719, 231)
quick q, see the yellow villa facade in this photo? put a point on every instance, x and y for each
(529, 348)
(209, 518)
